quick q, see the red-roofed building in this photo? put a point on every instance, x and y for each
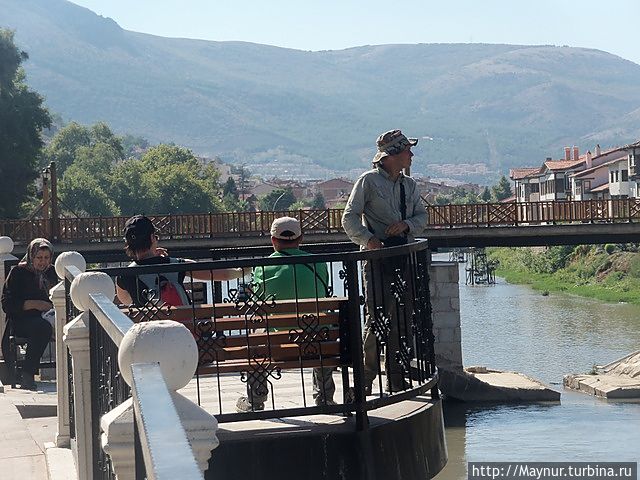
(581, 177)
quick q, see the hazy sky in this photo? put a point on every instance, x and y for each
(336, 24)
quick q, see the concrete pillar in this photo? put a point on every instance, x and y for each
(6, 247)
(57, 295)
(445, 304)
(172, 346)
(76, 338)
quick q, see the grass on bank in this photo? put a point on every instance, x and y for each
(606, 274)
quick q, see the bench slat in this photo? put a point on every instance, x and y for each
(281, 352)
(235, 367)
(307, 305)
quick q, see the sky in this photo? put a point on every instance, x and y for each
(610, 25)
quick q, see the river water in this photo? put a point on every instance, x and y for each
(512, 327)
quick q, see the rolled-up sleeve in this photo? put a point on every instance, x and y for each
(417, 221)
(352, 216)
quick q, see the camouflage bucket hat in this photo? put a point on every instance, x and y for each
(392, 143)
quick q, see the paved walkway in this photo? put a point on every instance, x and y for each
(27, 422)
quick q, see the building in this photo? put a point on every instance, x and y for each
(609, 174)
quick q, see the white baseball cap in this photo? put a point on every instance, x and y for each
(286, 228)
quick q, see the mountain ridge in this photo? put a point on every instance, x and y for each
(498, 104)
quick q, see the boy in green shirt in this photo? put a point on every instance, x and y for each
(288, 282)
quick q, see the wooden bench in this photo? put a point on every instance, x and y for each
(286, 334)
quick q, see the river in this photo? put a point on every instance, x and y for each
(512, 327)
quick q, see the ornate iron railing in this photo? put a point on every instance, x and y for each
(238, 224)
(273, 346)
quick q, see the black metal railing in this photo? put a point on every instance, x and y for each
(108, 390)
(274, 345)
(71, 312)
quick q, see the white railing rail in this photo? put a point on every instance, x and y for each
(163, 441)
(159, 410)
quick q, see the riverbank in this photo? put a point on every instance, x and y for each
(607, 274)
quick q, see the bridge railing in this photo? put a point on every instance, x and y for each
(531, 213)
(237, 224)
(178, 226)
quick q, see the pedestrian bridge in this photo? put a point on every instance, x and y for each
(484, 224)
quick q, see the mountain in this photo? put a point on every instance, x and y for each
(501, 105)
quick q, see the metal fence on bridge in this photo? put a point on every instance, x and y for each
(238, 224)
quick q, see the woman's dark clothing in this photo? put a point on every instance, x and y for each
(24, 284)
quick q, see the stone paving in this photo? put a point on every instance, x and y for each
(28, 421)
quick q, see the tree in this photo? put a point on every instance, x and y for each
(318, 202)
(172, 180)
(486, 195)
(22, 118)
(65, 145)
(502, 189)
(278, 199)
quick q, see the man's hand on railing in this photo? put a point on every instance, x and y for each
(374, 243)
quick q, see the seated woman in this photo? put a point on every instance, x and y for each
(24, 298)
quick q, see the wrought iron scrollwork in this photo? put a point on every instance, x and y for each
(309, 335)
(381, 325)
(153, 309)
(261, 370)
(209, 341)
(404, 355)
(399, 286)
(255, 305)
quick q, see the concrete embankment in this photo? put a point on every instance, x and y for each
(619, 379)
(480, 384)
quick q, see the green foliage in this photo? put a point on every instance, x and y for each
(134, 146)
(171, 180)
(230, 188)
(486, 195)
(297, 205)
(586, 272)
(22, 118)
(502, 189)
(318, 202)
(278, 199)
(98, 181)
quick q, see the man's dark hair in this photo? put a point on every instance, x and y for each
(137, 235)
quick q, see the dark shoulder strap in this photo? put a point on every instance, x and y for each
(324, 284)
(403, 201)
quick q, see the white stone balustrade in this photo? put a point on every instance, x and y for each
(172, 346)
(6, 247)
(76, 338)
(58, 299)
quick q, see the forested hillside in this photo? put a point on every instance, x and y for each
(502, 105)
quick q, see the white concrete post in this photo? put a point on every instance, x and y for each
(76, 338)
(172, 346)
(6, 247)
(58, 299)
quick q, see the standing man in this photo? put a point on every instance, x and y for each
(308, 280)
(385, 209)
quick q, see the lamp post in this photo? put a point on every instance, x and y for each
(277, 200)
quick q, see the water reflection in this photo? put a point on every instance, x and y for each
(512, 327)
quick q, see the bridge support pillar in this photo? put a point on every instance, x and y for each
(445, 304)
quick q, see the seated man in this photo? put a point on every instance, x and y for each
(141, 244)
(284, 282)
